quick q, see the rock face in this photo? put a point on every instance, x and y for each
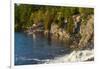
(58, 33)
(87, 32)
(81, 37)
(83, 32)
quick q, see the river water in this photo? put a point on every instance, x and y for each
(36, 49)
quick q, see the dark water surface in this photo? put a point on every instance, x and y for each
(36, 49)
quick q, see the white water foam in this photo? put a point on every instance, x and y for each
(75, 56)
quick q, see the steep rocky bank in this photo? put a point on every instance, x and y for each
(82, 36)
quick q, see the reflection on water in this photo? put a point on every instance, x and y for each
(36, 49)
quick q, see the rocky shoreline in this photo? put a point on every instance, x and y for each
(81, 42)
(82, 35)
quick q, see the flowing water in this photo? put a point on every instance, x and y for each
(37, 49)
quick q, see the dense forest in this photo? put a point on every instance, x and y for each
(27, 15)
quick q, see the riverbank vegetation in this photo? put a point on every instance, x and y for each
(27, 15)
(76, 24)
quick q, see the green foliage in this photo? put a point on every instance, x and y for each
(22, 15)
(26, 15)
(86, 11)
(70, 25)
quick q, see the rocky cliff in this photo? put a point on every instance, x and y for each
(81, 36)
(83, 32)
(80, 41)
